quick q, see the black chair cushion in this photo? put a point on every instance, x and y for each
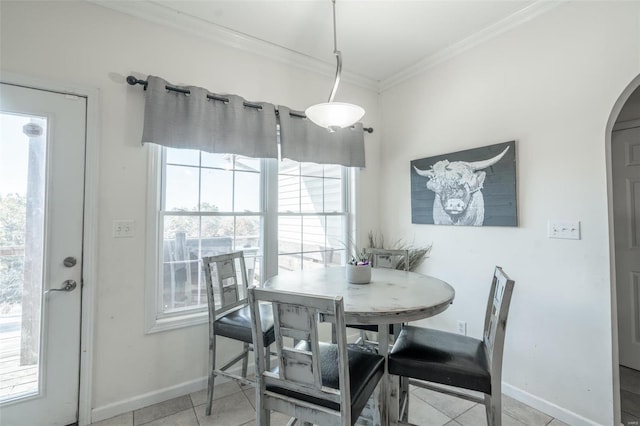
(441, 357)
(365, 371)
(237, 325)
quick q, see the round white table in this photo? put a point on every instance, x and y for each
(392, 297)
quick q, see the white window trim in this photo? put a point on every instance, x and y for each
(269, 183)
(153, 324)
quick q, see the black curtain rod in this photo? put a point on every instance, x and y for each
(133, 81)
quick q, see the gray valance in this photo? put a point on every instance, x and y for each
(302, 140)
(193, 118)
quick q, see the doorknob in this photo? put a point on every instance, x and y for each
(68, 285)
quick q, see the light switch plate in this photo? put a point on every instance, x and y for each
(566, 229)
(124, 228)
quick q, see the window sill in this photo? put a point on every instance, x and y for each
(175, 322)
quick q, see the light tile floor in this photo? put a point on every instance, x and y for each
(234, 406)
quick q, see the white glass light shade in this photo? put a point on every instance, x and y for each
(332, 115)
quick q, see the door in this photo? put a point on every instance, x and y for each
(625, 148)
(42, 155)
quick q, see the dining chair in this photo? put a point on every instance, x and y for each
(315, 382)
(431, 358)
(388, 258)
(382, 258)
(230, 316)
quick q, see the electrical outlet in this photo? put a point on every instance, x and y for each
(566, 229)
(462, 328)
(124, 228)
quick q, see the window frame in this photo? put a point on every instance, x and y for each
(158, 321)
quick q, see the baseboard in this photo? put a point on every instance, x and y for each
(547, 407)
(146, 399)
(160, 395)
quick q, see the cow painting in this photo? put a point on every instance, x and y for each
(458, 188)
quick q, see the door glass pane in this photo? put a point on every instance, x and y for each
(22, 193)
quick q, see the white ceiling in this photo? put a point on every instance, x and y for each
(381, 41)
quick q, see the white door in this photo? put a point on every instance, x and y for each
(42, 157)
(625, 148)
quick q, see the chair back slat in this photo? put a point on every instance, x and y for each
(388, 258)
(295, 334)
(296, 323)
(226, 275)
(295, 318)
(299, 367)
(496, 316)
(226, 269)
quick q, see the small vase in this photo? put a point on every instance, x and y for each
(358, 274)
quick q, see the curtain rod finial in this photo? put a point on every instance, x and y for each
(133, 81)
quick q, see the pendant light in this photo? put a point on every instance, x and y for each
(335, 115)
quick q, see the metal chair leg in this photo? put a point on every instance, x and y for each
(493, 405)
(245, 361)
(263, 417)
(404, 398)
(212, 376)
(267, 358)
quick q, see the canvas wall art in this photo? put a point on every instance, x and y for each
(475, 187)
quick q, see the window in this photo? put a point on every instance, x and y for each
(207, 204)
(312, 218)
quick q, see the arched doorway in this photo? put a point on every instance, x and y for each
(623, 178)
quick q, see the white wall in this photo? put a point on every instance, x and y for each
(87, 45)
(550, 84)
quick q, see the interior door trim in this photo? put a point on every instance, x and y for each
(90, 229)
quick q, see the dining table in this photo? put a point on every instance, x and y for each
(392, 297)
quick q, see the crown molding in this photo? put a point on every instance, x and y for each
(163, 15)
(154, 12)
(520, 17)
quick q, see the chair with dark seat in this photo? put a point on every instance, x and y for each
(388, 258)
(226, 278)
(314, 381)
(431, 358)
(382, 258)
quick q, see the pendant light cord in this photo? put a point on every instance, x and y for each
(338, 56)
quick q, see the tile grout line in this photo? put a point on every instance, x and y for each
(440, 411)
(458, 416)
(193, 408)
(195, 414)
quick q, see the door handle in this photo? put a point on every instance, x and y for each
(68, 285)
